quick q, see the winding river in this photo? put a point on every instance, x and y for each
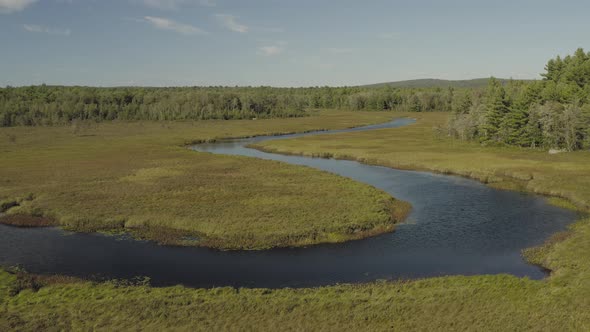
(457, 227)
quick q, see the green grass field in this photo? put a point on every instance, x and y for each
(140, 177)
(490, 303)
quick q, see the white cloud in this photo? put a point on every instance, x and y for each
(11, 6)
(175, 4)
(230, 22)
(168, 24)
(270, 50)
(47, 30)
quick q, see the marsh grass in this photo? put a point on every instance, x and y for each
(139, 177)
(564, 203)
(25, 220)
(23, 280)
(11, 138)
(421, 147)
(455, 303)
(537, 255)
(490, 303)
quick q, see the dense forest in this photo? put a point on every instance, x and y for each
(54, 105)
(550, 113)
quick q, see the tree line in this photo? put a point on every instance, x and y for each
(552, 113)
(55, 105)
(549, 113)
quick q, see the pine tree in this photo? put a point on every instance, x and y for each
(496, 109)
(415, 104)
(554, 69)
(575, 71)
(514, 127)
(533, 128)
(549, 74)
(462, 103)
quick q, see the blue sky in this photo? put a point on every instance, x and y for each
(281, 42)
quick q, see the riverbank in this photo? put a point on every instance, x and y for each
(498, 302)
(491, 303)
(425, 146)
(139, 177)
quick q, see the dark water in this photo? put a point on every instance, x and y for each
(458, 226)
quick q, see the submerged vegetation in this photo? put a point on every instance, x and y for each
(140, 178)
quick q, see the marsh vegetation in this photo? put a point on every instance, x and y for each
(71, 157)
(423, 146)
(139, 177)
(483, 302)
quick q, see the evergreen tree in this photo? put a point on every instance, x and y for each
(550, 70)
(533, 128)
(514, 127)
(496, 109)
(462, 103)
(578, 69)
(415, 105)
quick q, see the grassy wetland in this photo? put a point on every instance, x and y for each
(499, 302)
(216, 165)
(140, 177)
(426, 146)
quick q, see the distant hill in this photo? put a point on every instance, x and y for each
(436, 83)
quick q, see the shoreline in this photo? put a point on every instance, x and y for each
(169, 236)
(502, 182)
(398, 212)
